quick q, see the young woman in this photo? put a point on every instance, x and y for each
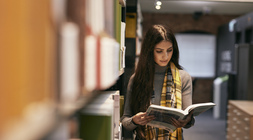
(160, 80)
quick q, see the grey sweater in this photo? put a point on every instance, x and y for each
(126, 119)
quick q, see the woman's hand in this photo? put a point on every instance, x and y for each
(142, 118)
(181, 123)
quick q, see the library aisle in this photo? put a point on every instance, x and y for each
(206, 128)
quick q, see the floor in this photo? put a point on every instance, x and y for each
(206, 128)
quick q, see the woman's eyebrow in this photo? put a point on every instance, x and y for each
(159, 48)
(163, 49)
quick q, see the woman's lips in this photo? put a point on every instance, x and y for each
(164, 61)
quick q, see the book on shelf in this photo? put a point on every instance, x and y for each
(122, 47)
(109, 62)
(162, 114)
(96, 118)
(116, 98)
(118, 12)
(90, 61)
(69, 62)
(103, 54)
(109, 14)
(99, 120)
(131, 25)
(95, 17)
(101, 62)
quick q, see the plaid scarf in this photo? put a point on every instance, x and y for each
(170, 97)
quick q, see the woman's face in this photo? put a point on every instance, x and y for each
(163, 52)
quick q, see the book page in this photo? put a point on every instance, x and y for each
(165, 110)
(199, 108)
(163, 116)
(163, 119)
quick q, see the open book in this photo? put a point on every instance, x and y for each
(162, 114)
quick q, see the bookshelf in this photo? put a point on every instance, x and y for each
(27, 43)
(45, 65)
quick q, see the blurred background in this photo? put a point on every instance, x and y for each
(65, 65)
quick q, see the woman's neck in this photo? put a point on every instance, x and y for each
(160, 69)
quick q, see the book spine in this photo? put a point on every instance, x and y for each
(69, 63)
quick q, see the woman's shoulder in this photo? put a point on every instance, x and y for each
(184, 75)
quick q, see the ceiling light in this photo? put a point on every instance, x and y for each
(158, 4)
(157, 7)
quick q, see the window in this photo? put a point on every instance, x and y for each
(197, 54)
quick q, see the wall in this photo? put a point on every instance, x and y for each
(186, 22)
(203, 88)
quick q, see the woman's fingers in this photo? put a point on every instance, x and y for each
(179, 122)
(145, 119)
(142, 119)
(174, 122)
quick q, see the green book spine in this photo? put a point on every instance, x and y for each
(118, 10)
(94, 127)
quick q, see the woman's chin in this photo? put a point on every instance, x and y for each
(163, 64)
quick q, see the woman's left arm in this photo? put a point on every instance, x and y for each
(186, 83)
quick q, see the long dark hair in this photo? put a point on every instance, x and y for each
(144, 73)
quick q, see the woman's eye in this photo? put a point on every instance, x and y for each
(159, 51)
(169, 50)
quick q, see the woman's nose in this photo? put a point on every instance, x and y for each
(165, 55)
